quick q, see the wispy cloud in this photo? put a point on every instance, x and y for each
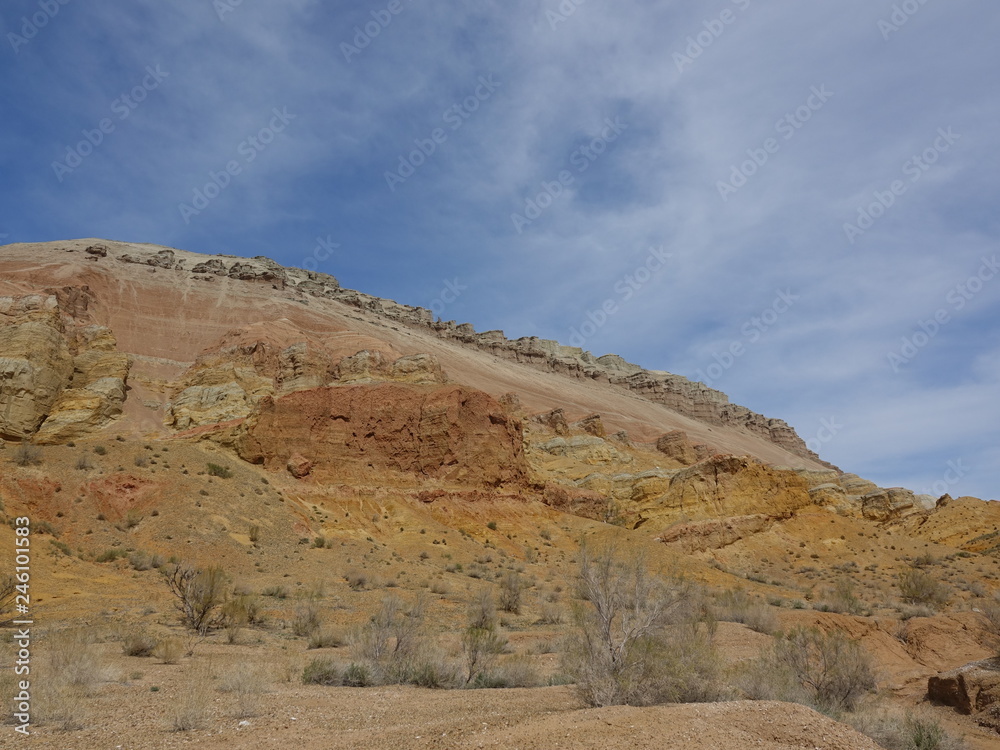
(562, 78)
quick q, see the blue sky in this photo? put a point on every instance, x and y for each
(794, 202)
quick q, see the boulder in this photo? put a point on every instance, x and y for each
(676, 446)
(887, 504)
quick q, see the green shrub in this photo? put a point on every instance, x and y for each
(919, 587)
(222, 472)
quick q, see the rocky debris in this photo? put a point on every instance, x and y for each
(219, 393)
(887, 504)
(971, 689)
(273, 274)
(585, 449)
(717, 533)
(622, 437)
(211, 266)
(299, 466)
(579, 502)
(832, 496)
(592, 425)
(511, 402)
(302, 366)
(100, 251)
(373, 366)
(450, 432)
(164, 258)
(675, 445)
(723, 487)
(555, 420)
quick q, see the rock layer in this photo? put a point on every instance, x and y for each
(451, 433)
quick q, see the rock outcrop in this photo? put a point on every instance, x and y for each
(60, 377)
(451, 433)
(887, 504)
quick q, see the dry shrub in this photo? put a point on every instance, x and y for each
(70, 668)
(916, 586)
(247, 682)
(200, 592)
(27, 454)
(640, 640)
(893, 729)
(321, 671)
(736, 605)
(511, 589)
(827, 671)
(169, 650)
(137, 641)
(306, 620)
(190, 710)
(325, 637)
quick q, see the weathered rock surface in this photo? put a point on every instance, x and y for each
(59, 377)
(887, 504)
(727, 486)
(451, 433)
(675, 445)
(971, 689)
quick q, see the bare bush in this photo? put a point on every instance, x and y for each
(27, 454)
(640, 640)
(835, 671)
(916, 586)
(736, 605)
(392, 644)
(511, 588)
(190, 711)
(306, 620)
(137, 641)
(169, 650)
(247, 682)
(200, 593)
(894, 730)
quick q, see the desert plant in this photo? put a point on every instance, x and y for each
(137, 641)
(100, 450)
(639, 640)
(356, 580)
(254, 534)
(511, 588)
(27, 454)
(306, 620)
(919, 587)
(894, 730)
(219, 471)
(736, 605)
(200, 592)
(835, 671)
(321, 671)
(326, 638)
(169, 650)
(84, 463)
(190, 711)
(246, 682)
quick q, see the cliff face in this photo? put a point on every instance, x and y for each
(267, 330)
(692, 399)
